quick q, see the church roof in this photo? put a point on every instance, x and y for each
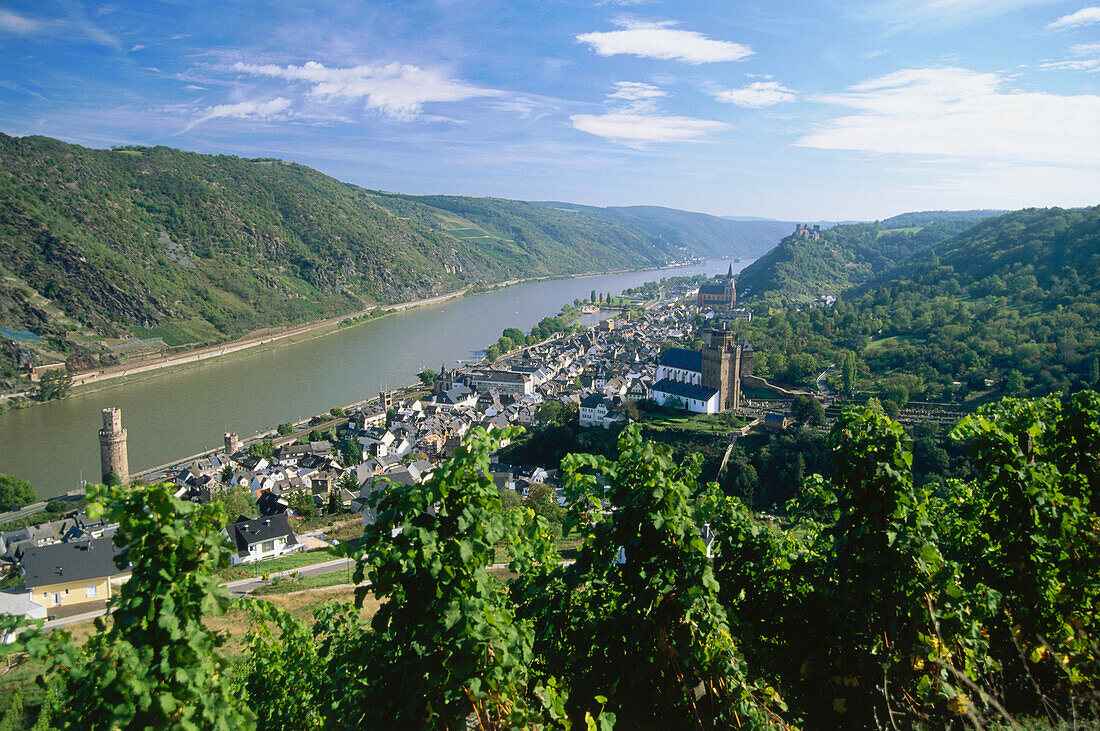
(682, 358)
(683, 390)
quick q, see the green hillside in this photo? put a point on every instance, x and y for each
(807, 263)
(102, 245)
(1010, 306)
(691, 232)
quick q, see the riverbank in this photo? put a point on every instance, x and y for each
(93, 381)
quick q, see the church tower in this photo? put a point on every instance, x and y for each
(113, 458)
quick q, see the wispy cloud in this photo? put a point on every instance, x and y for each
(18, 24)
(947, 111)
(757, 94)
(652, 39)
(137, 47)
(398, 90)
(1086, 57)
(900, 14)
(1084, 16)
(637, 123)
(272, 109)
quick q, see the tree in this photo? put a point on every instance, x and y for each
(227, 474)
(237, 500)
(848, 374)
(285, 429)
(303, 504)
(351, 452)
(505, 344)
(152, 663)
(1014, 383)
(54, 384)
(264, 448)
(592, 297)
(515, 335)
(337, 412)
(550, 412)
(14, 492)
(542, 500)
(808, 410)
(427, 377)
(492, 353)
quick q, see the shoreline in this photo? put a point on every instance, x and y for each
(94, 381)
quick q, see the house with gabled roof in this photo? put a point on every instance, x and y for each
(64, 575)
(261, 538)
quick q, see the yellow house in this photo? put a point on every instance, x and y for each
(62, 575)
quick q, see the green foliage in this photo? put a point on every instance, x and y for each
(152, 663)
(336, 412)
(237, 501)
(303, 504)
(427, 377)
(542, 500)
(492, 353)
(262, 448)
(351, 452)
(644, 632)
(54, 384)
(285, 428)
(808, 411)
(446, 642)
(14, 492)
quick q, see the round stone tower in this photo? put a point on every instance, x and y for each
(112, 446)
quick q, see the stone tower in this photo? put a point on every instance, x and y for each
(725, 363)
(385, 400)
(112, 446)
(232, 443)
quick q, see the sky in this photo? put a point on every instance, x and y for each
(797, 110)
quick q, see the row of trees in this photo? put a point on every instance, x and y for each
(880, 605)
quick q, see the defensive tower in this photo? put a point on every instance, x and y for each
(113, 458)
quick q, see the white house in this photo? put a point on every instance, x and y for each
(261, 538)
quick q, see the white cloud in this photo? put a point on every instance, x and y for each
(277, 108)
(136, 47)
(639, 123)
(1080, 64)
(899, 14)
(634, 129)
(1084, 16)
(13, 23)
(660, 40)
(948, 111)
(193, 87)
(395, 89)
(757, 94)
(1087, 59)
(635, 91)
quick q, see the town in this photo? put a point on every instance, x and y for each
(597, 376)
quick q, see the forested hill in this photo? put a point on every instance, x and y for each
(691, 232)
(809, 263)
(1025, 256)
(157, 242)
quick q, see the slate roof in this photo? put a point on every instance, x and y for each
(683, 390)
(64, 562)
(712, 289)
(245, 533)
(684, 359)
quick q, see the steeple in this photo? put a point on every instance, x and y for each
(729, 274)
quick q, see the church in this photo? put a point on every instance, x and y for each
(720, 294)
(707, 381)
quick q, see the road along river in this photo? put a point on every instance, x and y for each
(173, 414)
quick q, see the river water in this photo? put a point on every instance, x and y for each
(172, 415)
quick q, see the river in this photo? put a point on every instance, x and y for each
(171, 415)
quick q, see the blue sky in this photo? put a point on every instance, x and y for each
(795, 110)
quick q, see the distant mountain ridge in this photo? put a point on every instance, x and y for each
(690, 232)
(101, 245)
